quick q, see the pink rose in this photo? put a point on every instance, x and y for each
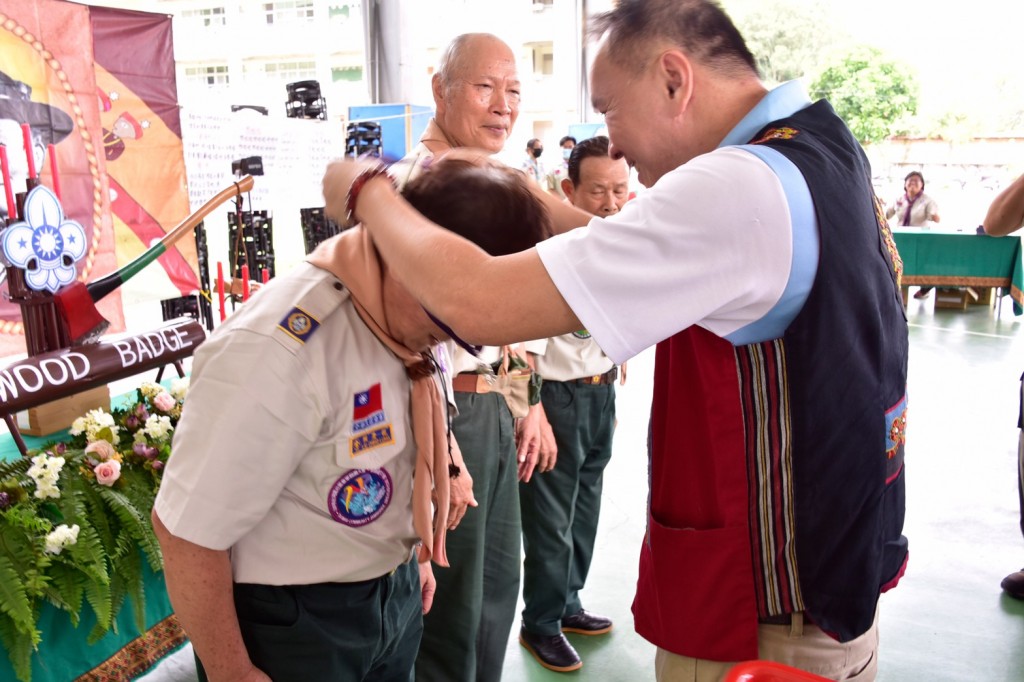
(164, 402)
(101, 448)
(107, 472)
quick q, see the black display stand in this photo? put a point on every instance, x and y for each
(198, 307)
(251, 242)
(316, 227)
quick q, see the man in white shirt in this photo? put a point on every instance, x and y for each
(760, 262)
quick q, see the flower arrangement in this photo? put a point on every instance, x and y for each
(74, 516)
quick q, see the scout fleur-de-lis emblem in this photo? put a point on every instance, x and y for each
(45, 244)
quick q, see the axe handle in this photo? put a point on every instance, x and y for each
(105, 285)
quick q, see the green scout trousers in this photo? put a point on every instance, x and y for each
(561, 507)
(462, 640)
(367, 631)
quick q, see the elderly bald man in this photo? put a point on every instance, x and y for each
(476, 95)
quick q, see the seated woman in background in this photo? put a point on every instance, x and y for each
(914, 209)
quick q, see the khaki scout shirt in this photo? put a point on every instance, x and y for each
(295, 449)
(569, 356)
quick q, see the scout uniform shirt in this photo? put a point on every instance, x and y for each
(569, 356)
(295, 450)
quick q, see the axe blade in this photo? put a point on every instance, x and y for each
(79, 311)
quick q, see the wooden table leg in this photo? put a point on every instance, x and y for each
(12, 426)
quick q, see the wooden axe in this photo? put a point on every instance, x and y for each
(77, 301)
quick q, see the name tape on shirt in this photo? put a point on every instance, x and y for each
(362, 442)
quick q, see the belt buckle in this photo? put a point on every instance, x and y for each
(596, 379)
(485, 383)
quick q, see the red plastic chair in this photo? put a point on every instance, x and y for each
(767, 671)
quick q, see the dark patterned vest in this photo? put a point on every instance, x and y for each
(776, 468)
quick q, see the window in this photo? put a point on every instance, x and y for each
(542, 130)
(543, 59)
(289, 11)
(290, 72)
(341, 11)
(212, 16)
(352, 74)
(207, 76)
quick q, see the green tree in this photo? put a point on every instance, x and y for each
(875, 95)
(787, 38)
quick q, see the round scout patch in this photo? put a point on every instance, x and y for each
(582, 334)
(298, 323)
(360, 496)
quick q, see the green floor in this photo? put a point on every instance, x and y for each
(948, 620)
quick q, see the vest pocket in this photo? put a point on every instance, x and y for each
(695, 594)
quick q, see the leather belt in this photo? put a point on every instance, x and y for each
(600, 379)
(469, 382)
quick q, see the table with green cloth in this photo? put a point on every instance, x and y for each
(64, 654)
(962, 259)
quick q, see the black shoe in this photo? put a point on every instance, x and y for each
(585, 623)
(1013, 584)
(552, 651)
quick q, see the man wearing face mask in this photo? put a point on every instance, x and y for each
(560, 172)
(532, 165)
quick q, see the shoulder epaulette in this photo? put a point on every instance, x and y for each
(298, 324)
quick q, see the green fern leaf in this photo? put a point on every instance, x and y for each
(137, 522)
(19, 646)
(66, 590)
(14, 601)
(87, 555)
(98, 596)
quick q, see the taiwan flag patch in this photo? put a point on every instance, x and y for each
(367, 409)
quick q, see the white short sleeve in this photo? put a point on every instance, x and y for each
(710, 244)
(249, 420)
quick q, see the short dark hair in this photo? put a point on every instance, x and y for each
(533, 142)
(567, 138)
(701, 28)
(593, 146)
(912, 174)
(491, 205)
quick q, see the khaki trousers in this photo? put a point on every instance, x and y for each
(800, 645)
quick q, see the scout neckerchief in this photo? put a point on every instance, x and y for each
(352, 258)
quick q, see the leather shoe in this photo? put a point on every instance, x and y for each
(586, 623)
(552, 651)
(1013, 584)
